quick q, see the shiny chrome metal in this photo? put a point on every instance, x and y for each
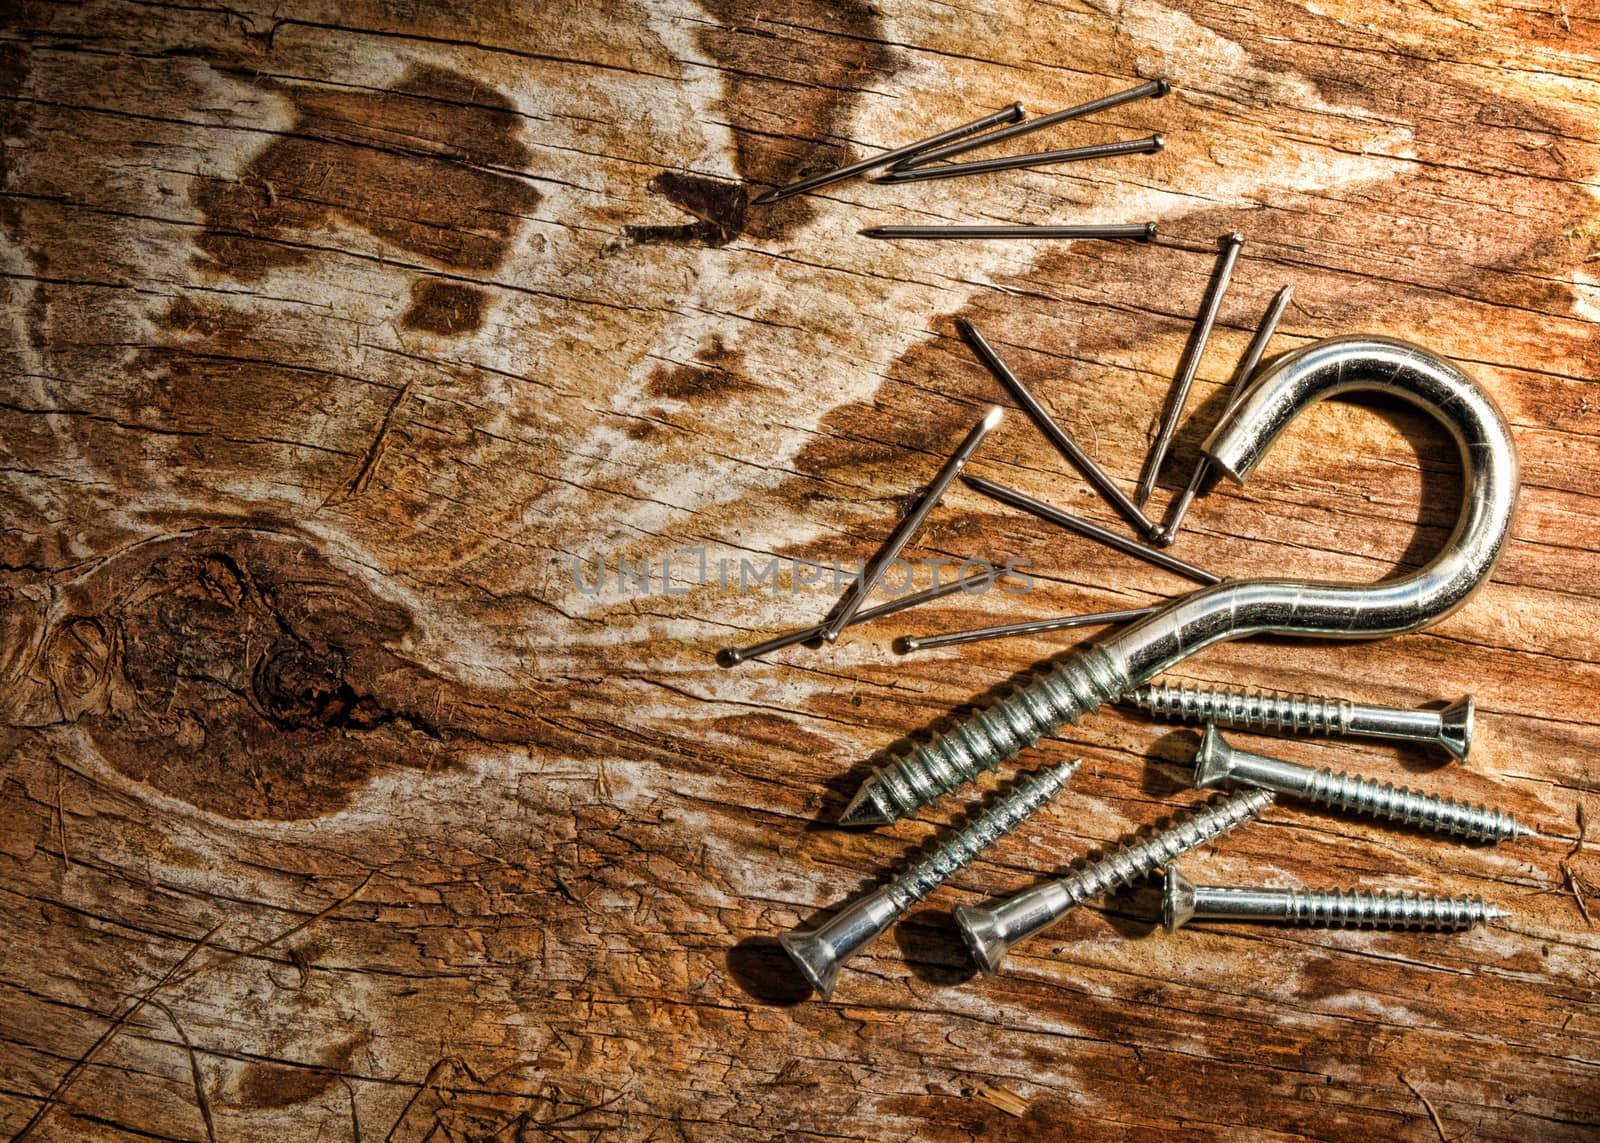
(1219, 764)
(909, 524)
(1247, 367)
(991, 930)
(1192, 352)
(1093, 531)
(733, 656)
(1053, 432)
(819, 952)
(1005, 115)
(1153, 89)
(1183, 901)
(1450, 728)
(1148, 145)
(1085, 679)
(1031, 627)
(1135, 231)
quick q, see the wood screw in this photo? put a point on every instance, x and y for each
(991, 931)
(1450, 728)
(1183, 901)
(1218, 764)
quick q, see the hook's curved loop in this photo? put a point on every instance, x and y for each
(1353, 611)
(1085, 679)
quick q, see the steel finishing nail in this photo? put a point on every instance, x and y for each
(820, 952)
(1216, 288)
(1147, 145)
(908, 526)
(1005, 115)
(1091, 531)
(1032, 627)
(733, 656)
(1183, 901)
(1132, 231)
(1241, 379)
(1053, 432)
(991, 931)
(1218, 763)
(1151, 89)
(1450, 728)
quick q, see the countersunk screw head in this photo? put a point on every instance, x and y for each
(1455, 728)
(815, 959)
(1177, 900)
(1212, 766)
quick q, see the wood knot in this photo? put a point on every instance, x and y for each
(297, 686)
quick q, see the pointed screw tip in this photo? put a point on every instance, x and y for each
(864, 810)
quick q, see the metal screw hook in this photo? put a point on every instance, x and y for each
(1084, 680)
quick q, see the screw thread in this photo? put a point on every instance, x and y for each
(1399, 803)
(1032, 791)
(1387, 909)
(1134, 861)
(1073, 687)
(1263, 709)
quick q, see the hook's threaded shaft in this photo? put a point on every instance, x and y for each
(1076, 685)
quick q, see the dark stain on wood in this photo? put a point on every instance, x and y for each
(269, 1084)
(433, 167)
(718, 208)
(445, 308)
(791, 81)
(245, 673)
(719, 375)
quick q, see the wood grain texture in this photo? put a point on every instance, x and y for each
(336, 334)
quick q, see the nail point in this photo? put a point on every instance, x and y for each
(1157, 142)
(728, 657)
(1163, 86)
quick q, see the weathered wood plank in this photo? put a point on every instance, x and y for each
(337, 333)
